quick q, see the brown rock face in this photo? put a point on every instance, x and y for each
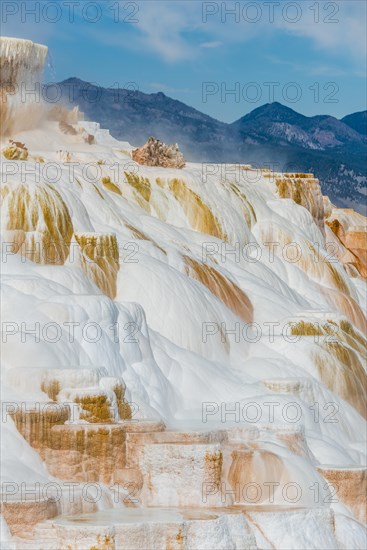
(351, 231)
(157, 153)
(36, 422)
(86, 452)
(23, 514)
(350, 487)
(356, 241)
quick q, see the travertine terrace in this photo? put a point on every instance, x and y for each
(179, 347)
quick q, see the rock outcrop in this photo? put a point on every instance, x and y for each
(157, 153)
(15, 151)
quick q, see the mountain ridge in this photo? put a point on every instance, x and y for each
(357, 121)
(272, 133)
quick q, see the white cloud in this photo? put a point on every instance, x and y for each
(177, 31)
(340, 29)
(317, 70)
(169, 27)
(162, 27)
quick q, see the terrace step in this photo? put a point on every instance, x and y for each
(156, 529)
(22, 514)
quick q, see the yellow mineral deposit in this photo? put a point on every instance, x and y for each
(247, 208)
(342, 371)
(142, 189)
(15, 151)
(140, 235)
(353, 338)
(213, 467)
(110, 185)
(36, 222)
(90, 452)
(346, 305)
(340, 361)
(197, 212)
(307, 258)
(305, 190)
(123, 406)
(96, 409)
(100, 259)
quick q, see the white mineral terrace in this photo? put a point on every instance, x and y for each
(163, 385)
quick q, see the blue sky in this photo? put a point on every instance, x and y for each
(310, 56)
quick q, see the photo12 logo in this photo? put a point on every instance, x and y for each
(71, 492)
(270, 12)
(270, 492)
(269, 412)
(52, 12)
(269, 92)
